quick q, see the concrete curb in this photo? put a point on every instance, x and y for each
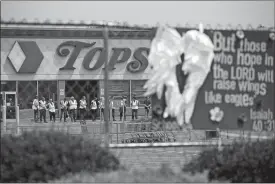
(246, 136)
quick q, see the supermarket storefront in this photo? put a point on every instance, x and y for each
(56, 67)
(58, 63)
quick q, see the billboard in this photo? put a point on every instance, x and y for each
(241, 83)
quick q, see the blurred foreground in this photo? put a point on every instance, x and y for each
(53, 156)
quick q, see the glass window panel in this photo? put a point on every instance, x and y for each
(8, 86)
(26, 93)
(138, 90)
(77, 89)
(119, 88)
(80, 88)
(48, 89)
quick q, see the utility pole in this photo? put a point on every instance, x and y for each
(106, 95)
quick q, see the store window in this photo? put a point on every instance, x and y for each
(137, 90)
(79, 88)
(27, 90)
(118, 89)
(8, 85)
(48, 90)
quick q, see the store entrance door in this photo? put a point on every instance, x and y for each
(9, 99)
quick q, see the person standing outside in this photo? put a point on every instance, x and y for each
(51, 110)
(82, 109)
(122, 109)
(73, 108)
(97, 104)
(111, 102)
(147, 107)
(10, 109)
(35, 107)
(42, 109)
(64, 109)
(101, 106)
(135, 104)
(93, 109)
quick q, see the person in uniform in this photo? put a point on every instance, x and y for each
(35, 107)
(93, 109)
(51, 107)
(72, 109)
(147, 107)
(10, 109)
(64, 109)
(101, 106)
(42, 109)
(97, 110)
(111, 105)
(82, 108)
(135, 104)
(122, 108)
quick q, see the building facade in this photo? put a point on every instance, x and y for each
(58, 62)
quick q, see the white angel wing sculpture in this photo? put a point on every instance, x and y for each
(165, 52)
(164, 56)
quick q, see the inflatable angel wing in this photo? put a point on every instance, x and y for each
(166, 49)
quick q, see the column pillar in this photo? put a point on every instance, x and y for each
(101, 88)
(60, 93)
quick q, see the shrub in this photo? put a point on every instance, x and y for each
(240, 162)
(43, 156)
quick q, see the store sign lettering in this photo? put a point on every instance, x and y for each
(118, 55)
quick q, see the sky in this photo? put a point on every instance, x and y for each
(145, 12)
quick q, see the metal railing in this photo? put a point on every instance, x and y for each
(128, 132)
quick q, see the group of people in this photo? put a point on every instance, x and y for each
(122, 107)
(68, 108)
(42, 106)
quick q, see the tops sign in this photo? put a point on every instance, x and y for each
(118, 55)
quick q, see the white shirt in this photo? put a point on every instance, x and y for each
(42, 104)
(51, 107)
(35, 104)
(82, 104)
(135, 104)
(93, 104)
(112, 104)
(123, 103)
(73, 104)
(101, 104)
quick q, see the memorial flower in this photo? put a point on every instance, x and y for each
(240, 34)
(216, 114)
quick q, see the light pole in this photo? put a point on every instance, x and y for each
(106, 76)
